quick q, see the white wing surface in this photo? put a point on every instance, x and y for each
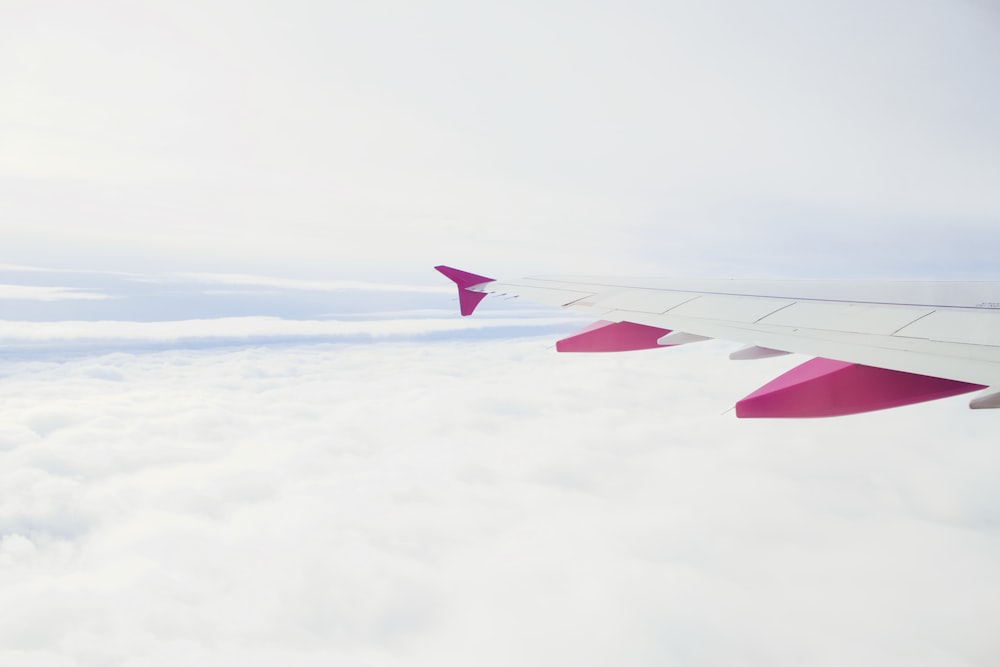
(948, 331)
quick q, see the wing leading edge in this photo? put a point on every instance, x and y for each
(876, 345)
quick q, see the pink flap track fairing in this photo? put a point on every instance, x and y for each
(826, 388)
(613, 337)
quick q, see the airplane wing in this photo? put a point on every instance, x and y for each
(876, 345)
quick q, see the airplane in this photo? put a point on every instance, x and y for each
(875, 344)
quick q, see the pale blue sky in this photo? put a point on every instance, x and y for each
(366, 139)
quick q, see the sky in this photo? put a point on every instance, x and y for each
(332, 139)
(241, 422)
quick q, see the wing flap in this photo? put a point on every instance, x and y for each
(956, 361)
(971, 327)
(638, 301)
(848, 317)
(730, 308)
(549, 296)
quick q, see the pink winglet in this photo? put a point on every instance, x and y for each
(826, 388)
(467, 301)
(612, 337)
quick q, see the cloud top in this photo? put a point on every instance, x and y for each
(253, 327)
(481, 502)
(45, 293)
(249, 280)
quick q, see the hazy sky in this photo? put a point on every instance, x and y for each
(337, 138)
(241, 422)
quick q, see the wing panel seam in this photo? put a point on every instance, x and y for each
(776, 310)
(694, 298)
(911, 323)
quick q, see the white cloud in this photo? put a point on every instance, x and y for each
(308, 285)
(47, 269)
(47, 293)
(489, 503)
(12, 332)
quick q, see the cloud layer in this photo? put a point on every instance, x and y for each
(43, 293)
(159, 306)
(242, 328)
(479, 502)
